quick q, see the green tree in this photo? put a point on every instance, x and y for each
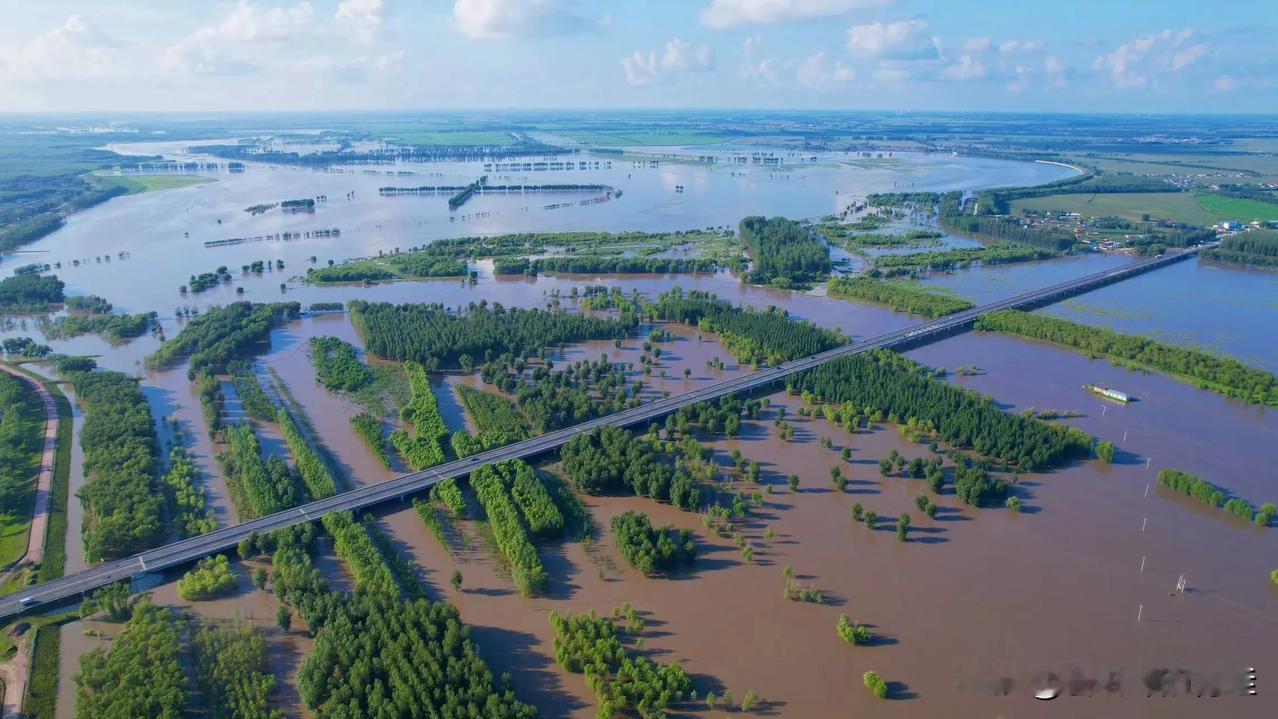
(1105, 451)
(456, 579)
(284, 617)
(875, 684)
(902, 526)
(794, 482)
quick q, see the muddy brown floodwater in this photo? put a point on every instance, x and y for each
(974, 596)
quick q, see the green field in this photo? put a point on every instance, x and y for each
(1239, 209)
(645, 139)
(135, 184)
(423, 137)
(1175, 206)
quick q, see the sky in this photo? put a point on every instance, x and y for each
(1141, 56)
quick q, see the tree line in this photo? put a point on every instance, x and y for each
(435, 337)
(21, 444)
(493, 485)
(785, 252)
(337, 365)
(753, 336)
(30, 293)
(1258, 247)
(1219, 374)
(900, 297)
(899, 387)
(422, 448)
(602, 264)
(222, 334)
(123, 510)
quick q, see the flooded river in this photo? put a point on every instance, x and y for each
(975, 595)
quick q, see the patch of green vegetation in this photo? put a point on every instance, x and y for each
(136, 184)
(21, 443)
(1238, 208)
(1175, 206)
(656, 138)
(900, 296)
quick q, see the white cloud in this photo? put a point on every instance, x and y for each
(763, 70)
(901, 40)
(1225, 83)
(1019, 47)
(67, 52)
(1054, 69)
(489, 19)
(355, 69)
(977, 45)
(890, 75)
(361, 18)
(227, 47)
(729, 13)
(1142, 61)
(1021, 76)
(819, 73)
(679, 59)
(968, 67)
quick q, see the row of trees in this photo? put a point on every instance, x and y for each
(1249, 248)
(421, 449)
(337, 364)
(509, 530)
(351, 539)
(368, 427)
(113, 327)
(257, 488)
(958, 258)
(1208, 493)
(900, 387)
(602, 264)
(492, 414)
(1208, 371)
(30, 292)
(900, 297)
(222, 334)
(432, 335)
(752, 336)
(21, 442)
(785, 252)
(188, 504)
(123, 510)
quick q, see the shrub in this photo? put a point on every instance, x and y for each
(211, 578)
(875, 684)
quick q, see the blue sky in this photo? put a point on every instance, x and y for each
(1024, 55)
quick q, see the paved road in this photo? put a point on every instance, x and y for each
(17, 670)
(188, 550)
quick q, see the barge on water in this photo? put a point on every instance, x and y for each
(1108, 392)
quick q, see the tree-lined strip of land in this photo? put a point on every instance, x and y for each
(899, 387)
(222, 334)
(899, 296)
(436, 337)
(1207, 371)
(1258, 248)
(122, 507)
(785, 253)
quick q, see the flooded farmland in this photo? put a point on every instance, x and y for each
(974, 596)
